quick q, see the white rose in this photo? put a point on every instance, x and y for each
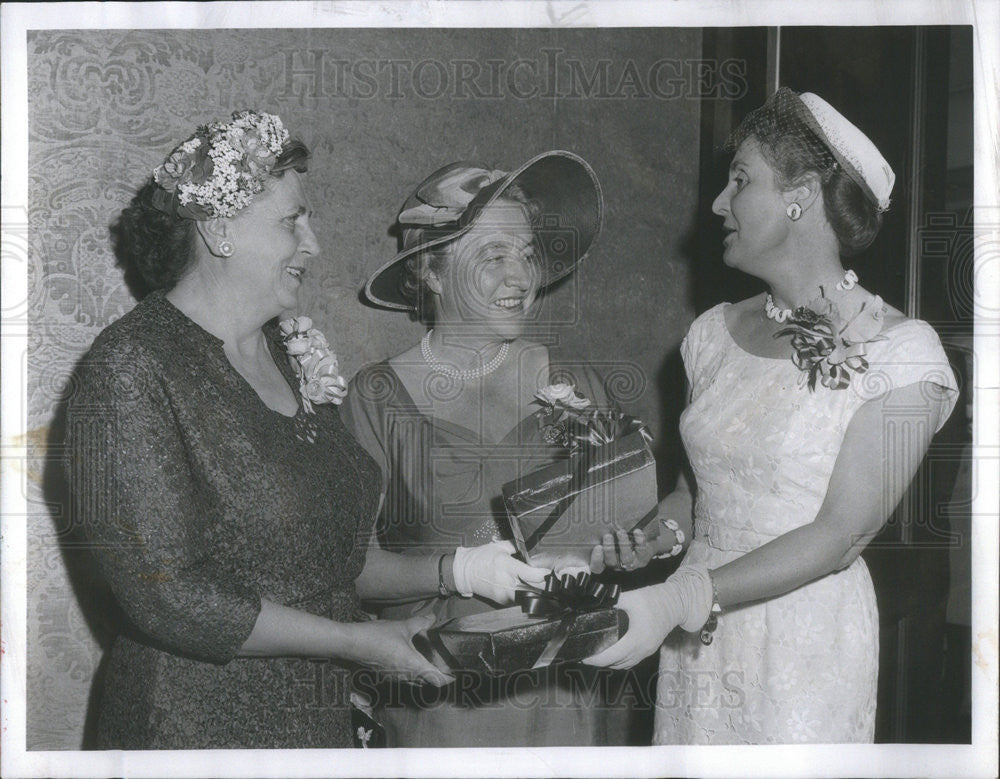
(297, 344)
(554, 393)
(563, 394)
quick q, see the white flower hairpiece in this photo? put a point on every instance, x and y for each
(217, 171)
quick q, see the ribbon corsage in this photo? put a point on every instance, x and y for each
(566, 596)
(828, 349)
(315, 365)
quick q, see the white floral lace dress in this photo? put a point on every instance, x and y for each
(801, 667)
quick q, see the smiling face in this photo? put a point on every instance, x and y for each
(492, 274)
(752, 206)
(273, 245)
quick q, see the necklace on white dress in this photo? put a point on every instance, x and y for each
(469, 373)
(780, 315)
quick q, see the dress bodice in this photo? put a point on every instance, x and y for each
(761, 444)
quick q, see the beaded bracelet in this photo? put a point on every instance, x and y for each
(713, 619)
(678, 546)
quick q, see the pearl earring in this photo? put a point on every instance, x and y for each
(794, 211)
(225, 249)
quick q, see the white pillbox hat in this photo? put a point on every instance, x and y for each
(855, 152)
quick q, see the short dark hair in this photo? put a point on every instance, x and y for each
(416, 267)
(794, 150)
(156, 248)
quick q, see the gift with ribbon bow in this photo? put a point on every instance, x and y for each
(570, 618)
(558, 513)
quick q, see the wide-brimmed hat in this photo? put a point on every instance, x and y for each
(450, 200)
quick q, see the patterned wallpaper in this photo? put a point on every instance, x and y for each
(380, 109)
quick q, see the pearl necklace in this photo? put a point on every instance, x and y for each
(454, 373)
(779, 315)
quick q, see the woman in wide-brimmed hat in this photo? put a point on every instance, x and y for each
(451, 419)
(811, 408)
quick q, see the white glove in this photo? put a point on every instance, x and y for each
(684, 599)
(490, 572)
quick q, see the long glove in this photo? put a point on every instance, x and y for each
(490, 572)
(684, 599)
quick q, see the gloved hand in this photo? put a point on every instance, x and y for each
(490, 572)
(684, 599)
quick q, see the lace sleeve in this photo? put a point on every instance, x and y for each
(911, 353)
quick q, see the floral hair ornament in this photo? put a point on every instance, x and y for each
(218, 170)
(828, 348)
(315, 365)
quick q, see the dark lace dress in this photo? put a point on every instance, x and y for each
(199, 501)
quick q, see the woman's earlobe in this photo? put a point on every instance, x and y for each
(215, 235)
(805, 192)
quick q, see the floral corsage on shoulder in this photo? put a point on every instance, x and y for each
(827, 348)
(316, 366)
(568, 419)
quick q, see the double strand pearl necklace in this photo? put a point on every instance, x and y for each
(454, 373)
(779, 315)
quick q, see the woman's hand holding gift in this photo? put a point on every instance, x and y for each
(685, 599)
(491, 572)
(387, 646)
(622, 550)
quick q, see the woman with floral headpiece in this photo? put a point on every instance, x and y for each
(453, 418)
(223, 499)
(811, 407)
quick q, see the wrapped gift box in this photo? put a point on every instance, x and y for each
(507, 640)
(562, 510)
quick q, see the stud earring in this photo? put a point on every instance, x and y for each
(849, 282)
(225, 249)
(794, 211)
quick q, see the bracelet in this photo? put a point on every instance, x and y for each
(678, 546)
(713, 619)
(443, 590)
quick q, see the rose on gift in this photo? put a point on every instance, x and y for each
(568, 418)
(564, 395)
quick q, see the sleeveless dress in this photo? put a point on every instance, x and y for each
(801, 667)
(443, 489)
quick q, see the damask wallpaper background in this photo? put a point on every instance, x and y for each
(380, 109)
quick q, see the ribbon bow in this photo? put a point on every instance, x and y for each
(822, 355)
(818, 354)
(444, 200)
(562, 594)
(566, 596)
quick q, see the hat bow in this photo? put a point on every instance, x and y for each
(444, 200)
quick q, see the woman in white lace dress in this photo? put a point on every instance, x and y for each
(811, 408)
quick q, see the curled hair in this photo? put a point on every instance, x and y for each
(794, 151)
(417, 267)
(154, 248)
